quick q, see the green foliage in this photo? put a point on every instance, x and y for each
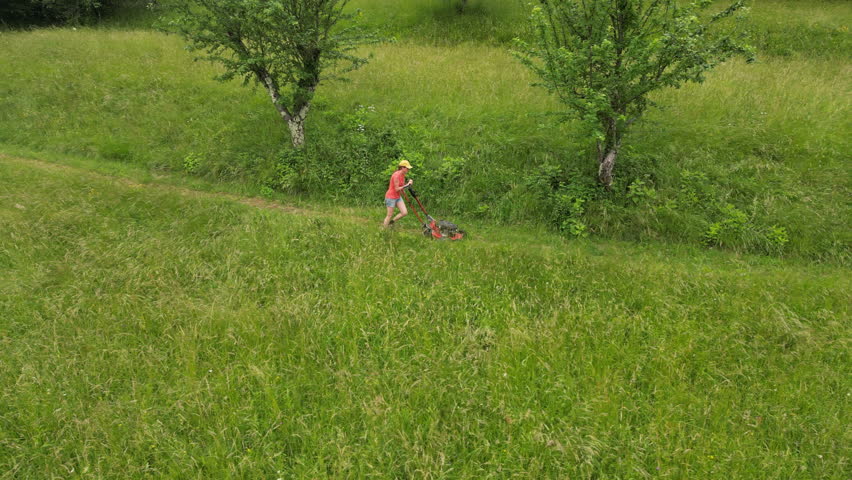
(769, 139)
(445, 22)
(694, 188)
(287, 46)
(459, 5)
(735, 228)
(405, 152)
(192, 162)
(25, 12)
(564, 196)
(350, 162)
(569, 208)
(267, 191)
(641, 191)
(602, 58)
(732, 225)
(777, 237)
(544, 179)
(284, 175)
(452, 170)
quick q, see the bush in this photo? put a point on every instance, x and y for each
(349, 160)
(565, 196)
(192, 162)
(451, 171)
(281, 175)
(641, 191)
(736, 229)
(28, 12)
(727, 230)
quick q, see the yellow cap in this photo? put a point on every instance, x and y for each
(405, 164)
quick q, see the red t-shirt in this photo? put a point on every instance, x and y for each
(396, 180)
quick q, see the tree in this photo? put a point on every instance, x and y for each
(28, 12)
(603, 58)
(459, 5)
(284, 45)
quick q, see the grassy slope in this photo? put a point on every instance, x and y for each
(775, 147)
(780, 27)
(159, 332)
(156, 332)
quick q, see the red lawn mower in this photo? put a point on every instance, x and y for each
(436, 229)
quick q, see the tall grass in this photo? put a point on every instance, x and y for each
(153, 333)
(811, 29)
(439, 22)
(778, 27)
(769, 137)
(777, 152)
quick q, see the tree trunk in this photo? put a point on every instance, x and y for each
(296, 123)
(272, 88)
(297, 126)
(297, 132)
(605, 165)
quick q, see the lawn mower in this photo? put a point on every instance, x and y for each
(435, 229)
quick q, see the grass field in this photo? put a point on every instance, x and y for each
(165, 314)
(770, 138)
(167, 332)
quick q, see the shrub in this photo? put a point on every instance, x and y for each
(351, 159)
(27, 12)
(192, 162)
(283, 175)
(569, 205)
(266, 191)
(694, 188)
(544, 180)
(777, 239)
(727, 230)
(452, 170)
(641, 191)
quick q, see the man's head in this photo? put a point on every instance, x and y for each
(404, 164)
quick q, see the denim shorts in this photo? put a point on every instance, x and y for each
(391, 202)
